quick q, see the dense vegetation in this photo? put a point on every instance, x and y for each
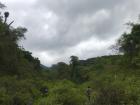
(114, 79)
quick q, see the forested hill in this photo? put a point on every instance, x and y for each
(110, 80)
(103, 59)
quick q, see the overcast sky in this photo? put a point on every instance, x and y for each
(58, 29)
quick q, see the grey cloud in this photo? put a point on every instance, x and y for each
(77, 21)
(58, 25)
(70, 28)
(74, 8)
(69, 32)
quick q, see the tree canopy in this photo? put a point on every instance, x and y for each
(129, 43)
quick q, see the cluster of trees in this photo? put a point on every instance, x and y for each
(73, 72)
(129, 44)
(16, 66)
(12, 56)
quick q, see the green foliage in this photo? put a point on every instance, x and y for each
(110, 96)
(22, 78)
(116, 95)
(17, 73)
(62, 70)
(63, 93)
(17, 92)
(12, 57)
(35, 61)
(74, 60)
(129, 44)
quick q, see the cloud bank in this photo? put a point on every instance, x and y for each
(58, 29)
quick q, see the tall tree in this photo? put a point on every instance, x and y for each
(129, 43)
(9, 49)
(74, 67)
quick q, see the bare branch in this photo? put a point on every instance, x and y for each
(10, 23)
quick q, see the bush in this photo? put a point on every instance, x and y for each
(63, 93)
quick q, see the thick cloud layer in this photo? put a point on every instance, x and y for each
(58, 29)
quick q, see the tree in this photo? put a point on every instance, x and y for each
(10, 53)
(62, 70)
(28, 56)
(74, 67)
(129, 43)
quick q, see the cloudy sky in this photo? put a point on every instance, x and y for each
(58, 29)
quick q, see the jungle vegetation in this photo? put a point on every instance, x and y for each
(114, 79)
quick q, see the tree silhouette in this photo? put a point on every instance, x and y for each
(74, 70)
(6, 15)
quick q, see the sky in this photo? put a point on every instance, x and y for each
(58, 29)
